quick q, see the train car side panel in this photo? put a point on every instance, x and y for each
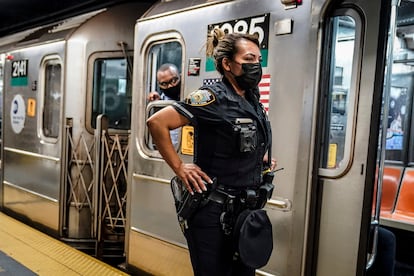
(32, 140)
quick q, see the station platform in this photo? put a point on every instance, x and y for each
(25, 251)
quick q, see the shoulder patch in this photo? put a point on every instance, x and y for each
(200, 98)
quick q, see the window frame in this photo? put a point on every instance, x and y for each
(353, 94)
(55, 59)
(89, 94)
(149, 79)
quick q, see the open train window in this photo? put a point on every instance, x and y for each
(111, 91)
(339, 86)
(158, 54)
(52, 98)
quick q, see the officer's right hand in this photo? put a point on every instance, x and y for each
(193, 177)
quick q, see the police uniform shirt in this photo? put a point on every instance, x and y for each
(213, 111)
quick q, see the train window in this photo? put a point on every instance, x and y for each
(159, 54)
(397, 119)
(398, 92)
(339, 86)
(111, 92)
(52, 98)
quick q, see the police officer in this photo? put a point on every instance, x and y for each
(232, 136)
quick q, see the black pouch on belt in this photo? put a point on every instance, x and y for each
(185, 203)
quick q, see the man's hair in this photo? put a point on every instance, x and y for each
(169, 66)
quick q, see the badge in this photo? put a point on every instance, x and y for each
(200, 98)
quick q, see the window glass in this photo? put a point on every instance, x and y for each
(342, 45)
(159, 54)
(52, 99)
(397, 120)
(399, 145)
(112, 92)
(169, 52)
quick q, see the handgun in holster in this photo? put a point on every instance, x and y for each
(187, 203)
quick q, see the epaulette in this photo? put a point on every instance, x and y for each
(200, 97)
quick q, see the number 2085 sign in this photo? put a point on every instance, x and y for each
(19, 72)
(250, 25)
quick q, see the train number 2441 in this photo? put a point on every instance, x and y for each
(19, 68)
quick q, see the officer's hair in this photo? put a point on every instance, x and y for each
(221, 45)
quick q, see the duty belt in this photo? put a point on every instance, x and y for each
(247, 197)
(218, 196)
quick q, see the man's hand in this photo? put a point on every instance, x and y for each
(153, 96)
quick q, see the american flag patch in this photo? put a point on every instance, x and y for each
(264, 89)
(210, 81)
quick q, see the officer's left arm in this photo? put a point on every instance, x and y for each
(159, 126)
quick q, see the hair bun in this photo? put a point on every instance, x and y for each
(218, 34)
(213, 39)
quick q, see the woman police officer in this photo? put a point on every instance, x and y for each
(232, 136)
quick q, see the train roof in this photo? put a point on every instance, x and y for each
(165, 7)
(20, 15)
(50, 32)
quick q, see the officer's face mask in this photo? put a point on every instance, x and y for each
(251, 76)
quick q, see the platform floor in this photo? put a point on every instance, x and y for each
(25, 251)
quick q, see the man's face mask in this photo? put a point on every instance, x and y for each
(252, 74)
(173, 92)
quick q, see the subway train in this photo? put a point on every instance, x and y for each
(51, 151)
(79, 163)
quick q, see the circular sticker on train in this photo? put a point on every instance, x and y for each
(17, 113)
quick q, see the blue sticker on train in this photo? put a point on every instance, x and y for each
(257, 24)
(19, 72)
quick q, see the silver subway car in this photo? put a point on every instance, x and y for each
(67, 100)
(323, 72)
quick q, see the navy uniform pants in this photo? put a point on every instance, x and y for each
(211, 251)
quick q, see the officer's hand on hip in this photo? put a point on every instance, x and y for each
(193, 177)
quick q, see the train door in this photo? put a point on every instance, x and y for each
(97, 124)
(153, 224)
(354, 35)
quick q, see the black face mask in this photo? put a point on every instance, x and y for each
(252, 74)
(173, 92)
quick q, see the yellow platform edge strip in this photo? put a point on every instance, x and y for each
(45, 255)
